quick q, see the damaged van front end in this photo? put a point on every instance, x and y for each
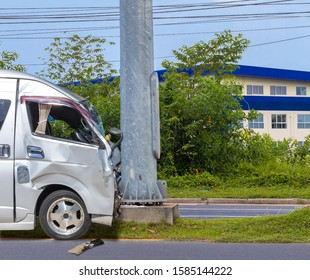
(62, 165)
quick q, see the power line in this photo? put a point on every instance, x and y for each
(225, 18)
(11, 36)
(210, 18)
(280, 41)
(50, 16)
(93, 14)
(157, 9)
(170, 56)
(164, 15)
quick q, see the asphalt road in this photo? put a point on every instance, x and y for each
(150, 250)
(211, 211)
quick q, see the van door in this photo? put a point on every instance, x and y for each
(7, 132)
(53, 149)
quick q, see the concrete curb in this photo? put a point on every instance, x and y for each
(239, 201)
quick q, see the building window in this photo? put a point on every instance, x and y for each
(258, 123)
(300, 143)
(278, 121)
(303, 121)
(277, 90)
(301, 90)
(254, 89)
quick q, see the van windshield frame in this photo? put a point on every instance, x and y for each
(94, 114)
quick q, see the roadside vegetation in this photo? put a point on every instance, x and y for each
(271, 180)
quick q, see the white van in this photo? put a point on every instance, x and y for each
(55, 162)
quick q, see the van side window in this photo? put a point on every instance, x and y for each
(59, 121)
(4, 108)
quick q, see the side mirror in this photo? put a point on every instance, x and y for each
(115, 131)
(119, 134)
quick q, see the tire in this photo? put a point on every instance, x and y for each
(63, 216)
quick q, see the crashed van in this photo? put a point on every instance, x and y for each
(55, 162)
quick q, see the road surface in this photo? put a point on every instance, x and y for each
(47, 249)
(210, 211)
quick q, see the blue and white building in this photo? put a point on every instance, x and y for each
(281, 96)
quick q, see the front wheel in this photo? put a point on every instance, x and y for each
(63, 215)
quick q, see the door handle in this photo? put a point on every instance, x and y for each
(4, 151)
(35, 152)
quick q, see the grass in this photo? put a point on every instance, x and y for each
(293, 227)
(272, 180)
(240, 192)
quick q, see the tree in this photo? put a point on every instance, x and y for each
(76, 59)
(200, 108)
(217, 57)
(8, 59)
(82, 60)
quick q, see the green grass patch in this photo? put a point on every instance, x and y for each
(242, 192)
(273, 180)
(289, 228)
(292, 227)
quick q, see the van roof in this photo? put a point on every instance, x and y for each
(11, 74)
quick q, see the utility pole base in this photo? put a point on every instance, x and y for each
(139, 192)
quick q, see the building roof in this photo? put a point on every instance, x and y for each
(272, 73)
(262, 72)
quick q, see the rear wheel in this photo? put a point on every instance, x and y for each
(63, 215)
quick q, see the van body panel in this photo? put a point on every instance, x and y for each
(39, 159)
(7, 131)
(26, 224)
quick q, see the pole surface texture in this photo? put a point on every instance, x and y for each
(139, 164)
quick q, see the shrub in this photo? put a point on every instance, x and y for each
(271, 174)
(202, 180)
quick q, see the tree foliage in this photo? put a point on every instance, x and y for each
(8, 61)
(217, 57)
(76, 59)
(82, 60)
(200, 108)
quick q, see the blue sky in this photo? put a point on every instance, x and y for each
(279, 31)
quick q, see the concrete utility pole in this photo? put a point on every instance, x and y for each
(139, 105)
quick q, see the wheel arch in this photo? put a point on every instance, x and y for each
(50, 189)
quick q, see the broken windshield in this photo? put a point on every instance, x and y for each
(96, 118)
